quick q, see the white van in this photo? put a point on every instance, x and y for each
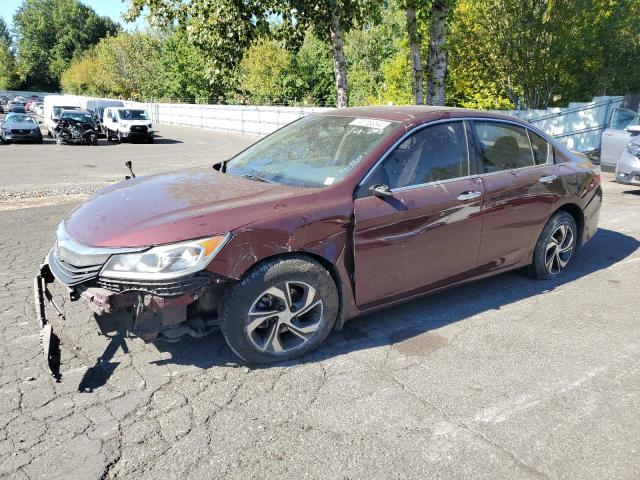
(53, 105)
(97, 106)
(127, 124)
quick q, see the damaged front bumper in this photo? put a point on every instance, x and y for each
(152, 311)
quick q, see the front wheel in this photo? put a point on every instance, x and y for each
(555, 247)
(280, 310)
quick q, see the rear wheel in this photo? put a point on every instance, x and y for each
(555, 247)
(280, 310)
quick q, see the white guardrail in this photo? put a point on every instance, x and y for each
(578, 126)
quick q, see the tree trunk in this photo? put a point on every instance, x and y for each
(339, 64)
(414, 52)
(437, 62)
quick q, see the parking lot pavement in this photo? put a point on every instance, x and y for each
(41, 174)
(504, 378)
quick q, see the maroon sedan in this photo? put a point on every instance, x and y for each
(335, 215)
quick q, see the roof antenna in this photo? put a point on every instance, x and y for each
(129, 165)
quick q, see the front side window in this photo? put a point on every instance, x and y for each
(503, 146)
(622, 118)
(313, 151)
(432, 154)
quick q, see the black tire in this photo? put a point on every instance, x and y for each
(294, 274)
(150, 140)
(550, 259)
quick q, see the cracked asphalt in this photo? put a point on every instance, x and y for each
(506, 378)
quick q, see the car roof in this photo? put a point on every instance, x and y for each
(413, 113)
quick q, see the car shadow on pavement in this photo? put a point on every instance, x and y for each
(394, 325)
(632, 192)
(166, 141)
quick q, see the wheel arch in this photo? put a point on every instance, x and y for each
(578, 215)
(326, 264)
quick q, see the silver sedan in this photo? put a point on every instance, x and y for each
(628, 166)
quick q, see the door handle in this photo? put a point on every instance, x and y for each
(469, 195)
(548, 179)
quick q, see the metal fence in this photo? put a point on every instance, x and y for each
(578, 126)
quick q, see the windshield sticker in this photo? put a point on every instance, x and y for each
(370, 123)
(329, 180)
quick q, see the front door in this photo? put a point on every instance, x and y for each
(425, 231)
(615, 138)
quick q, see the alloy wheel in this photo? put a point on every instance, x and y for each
(559, 249)
(284, 317)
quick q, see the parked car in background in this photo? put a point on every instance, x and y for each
(38, 109)
(19, 127)
(53, 106)
(616, 137)
(335, 215)
(127, 124)
(16, 107)
(628, 167)
(76, 127)
(96, 107)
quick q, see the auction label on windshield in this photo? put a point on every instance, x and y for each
(370, 123)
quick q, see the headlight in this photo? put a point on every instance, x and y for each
(166, 261)
(634, 149)
(124, 125)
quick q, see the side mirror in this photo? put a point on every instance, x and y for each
(381, 190)
(633, 129)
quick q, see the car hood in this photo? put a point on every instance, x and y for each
(172, 207)
(20, 125)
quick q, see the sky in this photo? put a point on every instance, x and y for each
(109, 8)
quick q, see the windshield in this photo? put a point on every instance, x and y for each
(58, 110)
(313, 151)
(133, 115)
(83, 117)
(17, 118)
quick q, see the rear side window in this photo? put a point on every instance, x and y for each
(432, 154)
(542, 150)
(503, 146)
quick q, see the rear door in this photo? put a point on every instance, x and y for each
(426, 231)
(521, 185)
(615, 137)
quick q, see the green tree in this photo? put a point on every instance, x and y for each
(330, 20)
(8, 76)
(264, 73)
(183, 70)
(224, 29)
(313, 72)
(368, 49)
(124, 66)
(4, 31)
(49, 34)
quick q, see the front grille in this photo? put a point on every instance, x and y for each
(19, 131)
(168, 288)
(139, 128)
(73, 263)
(70, 274)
